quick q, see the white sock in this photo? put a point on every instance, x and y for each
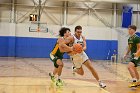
(75, 69)
(59, 77)
(134, 79)
(99, 81)
(52, 74)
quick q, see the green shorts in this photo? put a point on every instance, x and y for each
(134, 60)
(54, 60)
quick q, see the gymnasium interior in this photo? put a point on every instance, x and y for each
(29, 30)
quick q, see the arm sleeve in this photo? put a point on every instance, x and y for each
(137, 40)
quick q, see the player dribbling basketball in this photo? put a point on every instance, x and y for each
(80, 59)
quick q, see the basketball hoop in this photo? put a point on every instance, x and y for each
(38, 27)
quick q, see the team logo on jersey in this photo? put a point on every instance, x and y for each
(80, 42)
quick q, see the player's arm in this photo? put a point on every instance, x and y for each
(84, 43)
(137, 54)
(63, 47)
(137, 41)
(128, 50)
(69, 40)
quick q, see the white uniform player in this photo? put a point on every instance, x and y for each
(80, 59)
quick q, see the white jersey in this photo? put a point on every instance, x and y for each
(79, 41)
(80, 58)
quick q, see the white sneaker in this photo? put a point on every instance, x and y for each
(102, 85)
(73, 70)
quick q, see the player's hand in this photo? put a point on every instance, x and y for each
(125, 56)
(84, 48)
(72, 53)
(71, 49)
(135, 56)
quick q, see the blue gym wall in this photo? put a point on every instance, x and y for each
(31, 47)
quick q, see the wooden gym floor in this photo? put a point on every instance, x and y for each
(30, 75)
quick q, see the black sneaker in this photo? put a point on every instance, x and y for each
(73, 70)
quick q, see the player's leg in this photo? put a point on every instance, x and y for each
(131, 67)
(79, 71)
(132, 71)
(137, 76)
(55, 71)
(52, 75)
(59, 82)
(87, 63)
(136, 73)
(94, 73)
(92, 70)
(58, 65)
(77, 64)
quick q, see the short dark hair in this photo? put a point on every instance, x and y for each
(78, 27)
(133, 27)
(63, 30)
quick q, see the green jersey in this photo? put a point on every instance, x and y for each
(132, 43)
(56, 51)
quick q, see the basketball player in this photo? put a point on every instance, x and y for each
(81, 58)
(134, 48)
(57, 55)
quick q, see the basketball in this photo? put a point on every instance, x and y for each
(77, 48)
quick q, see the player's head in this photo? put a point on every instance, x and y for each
(64, 32)
(132, 29)
(78, 30)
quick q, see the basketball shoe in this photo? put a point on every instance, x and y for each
(73, 70)
(59, 82)
(133, 84)
(52, 77)
(102, 85)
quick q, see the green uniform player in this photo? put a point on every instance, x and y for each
(132, 42)
(134, 49)
(57, 55)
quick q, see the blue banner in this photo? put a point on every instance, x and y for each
(127, 16)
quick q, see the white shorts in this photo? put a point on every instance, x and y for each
(79, 59)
